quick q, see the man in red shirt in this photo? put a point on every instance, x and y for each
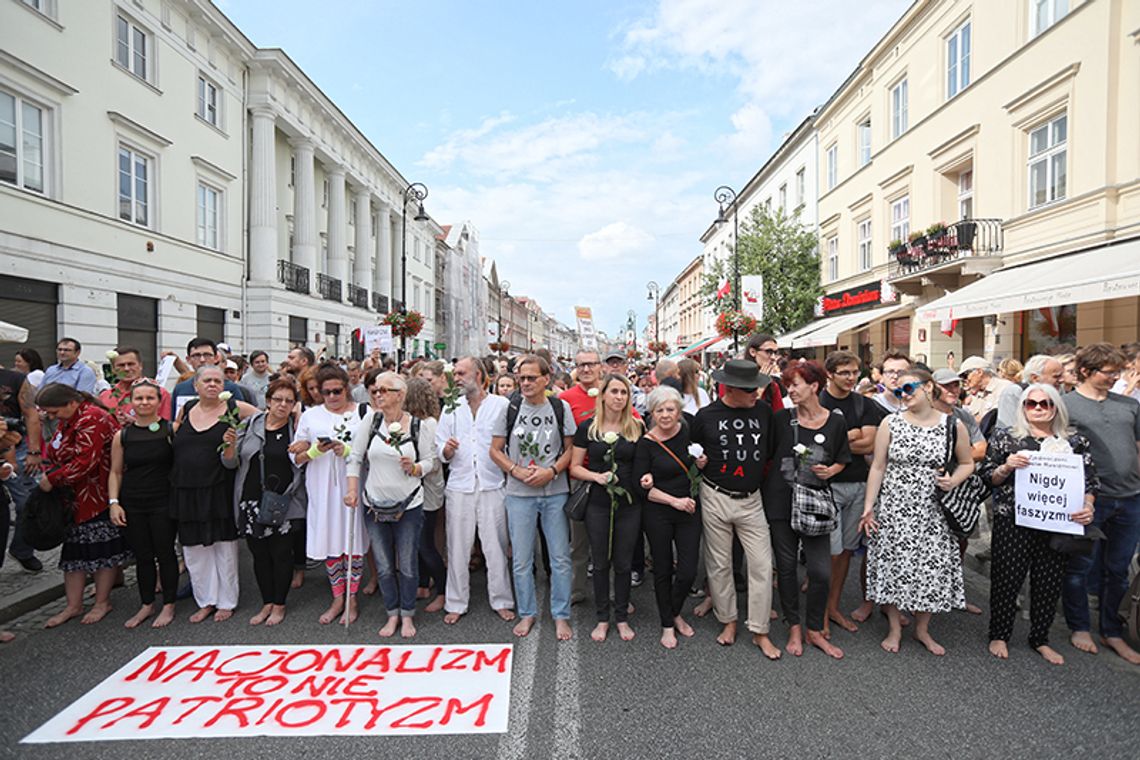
(127, 365)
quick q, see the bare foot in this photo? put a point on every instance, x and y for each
(97, 613)
(600, 631)
(668, 638)
(837, 617)
(222, 616)
(563, 630)
(891, 642)
(1051, 655)
(1082, 640)
(351, 613)
(770, 650)
(522, 628)
(928, 641)
(862, 612)
(371, 587)
(298, 577)
(625, 631)
(389, 628)
(904, 621)
(435, 605)
(683, 627)
(67, 614)
(773, 615)
(630, 609)
(795, 645)
(817, 640)
(506, 614)
(407, 627)
(727, 635)
(201, 614)
(262, 615)
(704, 608)
(333, 612)
(276, 616)
(1120, 646)
(999, 649)
(973, 609)
(452, 618)
(165, 617)
(143, 613)
(6, 636)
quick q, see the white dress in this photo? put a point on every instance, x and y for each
(327, 521)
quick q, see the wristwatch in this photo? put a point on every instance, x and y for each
(111, 502)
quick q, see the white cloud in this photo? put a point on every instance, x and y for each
(619, 240)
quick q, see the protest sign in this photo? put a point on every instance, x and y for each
(1050, 489)
(206, 692)
(378, 336)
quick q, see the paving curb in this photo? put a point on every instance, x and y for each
(33, 596)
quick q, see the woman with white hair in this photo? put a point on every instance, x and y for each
(1041, 424)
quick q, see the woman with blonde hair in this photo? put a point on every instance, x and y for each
(692, 393)
(1010, 369)
(613, 512)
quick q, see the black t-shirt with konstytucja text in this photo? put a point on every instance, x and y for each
(738, 443)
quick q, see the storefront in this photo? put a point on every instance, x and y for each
(867, 320)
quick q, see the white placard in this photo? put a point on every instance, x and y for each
(164, 369)
(205, 692)
(1050, 489)
(378, 336)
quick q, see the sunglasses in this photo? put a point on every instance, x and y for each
(528, 378)
(381, 390)
(906, 389)
(332, 391)
(1032, 403)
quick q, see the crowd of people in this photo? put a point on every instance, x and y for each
(403, 481)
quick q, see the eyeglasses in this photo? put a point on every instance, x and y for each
(891, 372)
(1031, 403)
(381, 390)
(529, 378)
(332, 391)
(906, 389)
(280, 400)
(768, 351)
(588, 365)
(1110, 373)
(202, 355)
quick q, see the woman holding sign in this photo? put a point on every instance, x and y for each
(1041, 424)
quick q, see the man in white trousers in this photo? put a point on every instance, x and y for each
(475, 493)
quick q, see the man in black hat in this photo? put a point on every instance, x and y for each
(735, 433)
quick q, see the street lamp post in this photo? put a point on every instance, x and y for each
(654, 296)
(504, 288)
(724, 196)
(417, 191)
(632, 327)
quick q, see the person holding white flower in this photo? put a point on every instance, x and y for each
(334, 532)
(398, 451)
(613, 512)
(201, 496)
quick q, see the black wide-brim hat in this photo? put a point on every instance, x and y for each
(741, 373)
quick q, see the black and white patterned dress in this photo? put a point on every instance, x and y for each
(912, 561)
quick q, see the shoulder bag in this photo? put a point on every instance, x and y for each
(962, 504)
(575, 506)
(388, 510)
(814, 512)
(273, 507)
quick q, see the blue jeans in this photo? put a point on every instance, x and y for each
(395, 547)
(20, 487)
(523, 514)
(1120, 521)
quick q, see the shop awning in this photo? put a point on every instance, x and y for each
(828, 330)
(707, 343)
(1111, 271)
(786, 340)
(10, 333)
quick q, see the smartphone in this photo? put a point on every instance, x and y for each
(324, 439)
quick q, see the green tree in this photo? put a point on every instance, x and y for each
(779, 248)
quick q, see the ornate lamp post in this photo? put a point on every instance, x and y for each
(632, 327)
(725, 196)
(654, 296)
(417, 191)
(504, 292)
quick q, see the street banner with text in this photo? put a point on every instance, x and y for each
(586, 336)
(1050, 489)
(203, 692)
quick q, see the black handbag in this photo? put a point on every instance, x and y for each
(47, 517)
(962, 504)
(273, 507)
(575, 506)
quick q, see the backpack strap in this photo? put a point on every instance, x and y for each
(559, 419)
(362, 409)
(416, 436)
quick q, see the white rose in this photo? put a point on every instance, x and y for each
(225, 396)
(395, 428)
(610, 437)
(449, 368)
(593, 392)
(800, 449)
(112, 355)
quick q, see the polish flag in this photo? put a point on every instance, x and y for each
(1052, 320)
(948, 326)
(724, 289)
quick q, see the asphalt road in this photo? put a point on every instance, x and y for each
(636, 699)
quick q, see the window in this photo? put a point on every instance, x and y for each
(783, 197)
(21, 143)
(1044, 13)
(134, 186)
(800, 187)
(352, 213)
(864, 238)
(132, 48)
(966, 194)
(209, 214)
(292, 170)
(416, 296)
(1048, 152)
(864, 142)
(137, 323)
(325, 194)
(898, 109)
(832, 167)
(958, 60)
(210, 322)
(833, 258)
(208, 102)
(298, 331)
(900, 218)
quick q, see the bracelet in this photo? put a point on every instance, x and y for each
(112, 501)
(314, 452)
(512, 470)
(555, 471)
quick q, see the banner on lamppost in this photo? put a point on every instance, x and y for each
(587, 338)
(752, 295)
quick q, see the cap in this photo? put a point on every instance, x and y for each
(971, 363)
(615, 355)
(231, 364)
(946, 376)
(225, 347)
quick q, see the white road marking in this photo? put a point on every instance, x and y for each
(524, 670)
(567, 705)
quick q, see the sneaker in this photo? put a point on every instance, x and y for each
(590, 569)
(30, 564)
(696, 593)
(635, 579)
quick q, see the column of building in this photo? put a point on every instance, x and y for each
(304, 251)
(337, 250)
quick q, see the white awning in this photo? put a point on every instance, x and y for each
(785, 340)
(10, 333)
(1112, 271)
(828, 330)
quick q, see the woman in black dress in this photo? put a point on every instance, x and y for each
(613, 525)
(142, 455)
(202, 494)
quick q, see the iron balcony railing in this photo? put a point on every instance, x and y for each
(380, 303)
(328, 287)
(358, 296)
(295, 278)
(970, 237)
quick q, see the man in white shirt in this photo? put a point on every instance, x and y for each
(894, 364)
(475, 494)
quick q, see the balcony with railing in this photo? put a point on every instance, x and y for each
(358, 296)
(964, 250)
(328, 287)
(380, 303)
(295, 278)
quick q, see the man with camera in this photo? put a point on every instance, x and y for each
(21, 429)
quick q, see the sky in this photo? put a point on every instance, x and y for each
(583, 139)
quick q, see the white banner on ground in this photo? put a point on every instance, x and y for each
(208, 692)
(752, 295)
(1050, 489)
(378, 336)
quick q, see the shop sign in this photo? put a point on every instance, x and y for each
(851, 299)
